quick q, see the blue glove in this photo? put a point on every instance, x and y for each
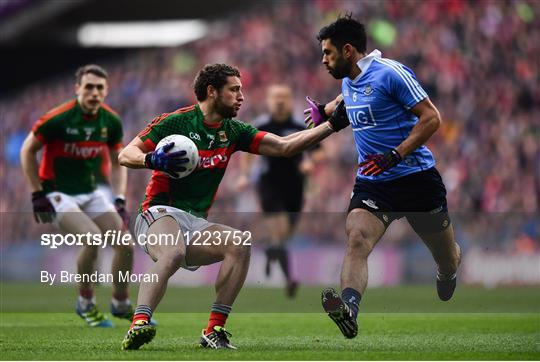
(170, 163)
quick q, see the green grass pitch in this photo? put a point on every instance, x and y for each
(401, 323)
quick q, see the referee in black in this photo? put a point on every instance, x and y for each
(280, 181)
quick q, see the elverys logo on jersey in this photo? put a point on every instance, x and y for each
(80, 150)
(217, 158)
(361, 117)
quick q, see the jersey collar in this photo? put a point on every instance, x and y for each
(365, 62)
(87, 117)
(206, 124)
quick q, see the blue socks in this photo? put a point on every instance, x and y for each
(352, 297)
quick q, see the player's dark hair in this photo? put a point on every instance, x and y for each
(90, 68)
(345, 30)
(214, 75)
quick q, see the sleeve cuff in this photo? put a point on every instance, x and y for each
(254, 147)
(40, 137)
(116, 146)
(149, 144)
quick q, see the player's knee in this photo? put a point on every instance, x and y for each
(124, 249)
(242, 250)
(359, 241)
(91, 251)
(172, 260)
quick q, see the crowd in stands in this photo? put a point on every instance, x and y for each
(477, 60)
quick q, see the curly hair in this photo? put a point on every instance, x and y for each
(214, 75)
(345, 30)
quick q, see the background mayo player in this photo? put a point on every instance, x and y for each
(73, 137)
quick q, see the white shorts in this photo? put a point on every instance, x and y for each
(94, 204)
(107, 191)
(189, 224)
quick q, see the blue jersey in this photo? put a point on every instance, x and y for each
(378, 103)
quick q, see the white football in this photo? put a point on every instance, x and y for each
(182, 143)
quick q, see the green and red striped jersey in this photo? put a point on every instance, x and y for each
(216, 143)
(73, 146)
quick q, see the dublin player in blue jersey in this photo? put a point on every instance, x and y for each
(392, 118)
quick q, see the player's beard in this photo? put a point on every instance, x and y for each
(341, 69)
(223, 110)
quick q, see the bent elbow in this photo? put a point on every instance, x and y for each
(122, 159)
(436, 121)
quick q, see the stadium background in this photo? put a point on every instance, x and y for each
(478, 61)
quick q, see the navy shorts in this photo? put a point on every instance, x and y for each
(420, 197)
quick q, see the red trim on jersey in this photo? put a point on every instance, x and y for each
(161, 117)
(159, 183)
(105, 166)
(51, 114)
(254, 147)
(212, 125)
(116, 146)
(46, 166)
(149, 144)
(40, 137)
(218, 158)
(109, 109)
(89, 117)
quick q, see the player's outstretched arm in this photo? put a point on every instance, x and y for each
(273, 145)
(276, 146)
(318, 113)
(429, 121)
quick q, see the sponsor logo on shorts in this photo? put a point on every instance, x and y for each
(370, 203)
(58, 198)
(161, 210)
(437, 210)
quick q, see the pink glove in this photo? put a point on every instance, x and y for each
(315, 114)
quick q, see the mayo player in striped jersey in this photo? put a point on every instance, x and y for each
(175, 206)
(392, 118)
(73, 137)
